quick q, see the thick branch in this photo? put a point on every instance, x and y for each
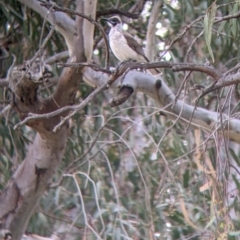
(82, 52)
(29, 182)
(87, 26)
(161, 93)
(151, 29)
(3, 82)
(64, 24)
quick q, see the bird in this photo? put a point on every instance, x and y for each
(123, 45)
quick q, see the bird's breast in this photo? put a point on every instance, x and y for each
(119, 46)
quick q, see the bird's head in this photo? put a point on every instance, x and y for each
(114, 21)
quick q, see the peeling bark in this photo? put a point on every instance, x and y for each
(26, 187)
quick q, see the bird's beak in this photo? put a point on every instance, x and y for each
(108, 21)
(105, 19)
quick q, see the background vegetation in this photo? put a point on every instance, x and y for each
(130, 171)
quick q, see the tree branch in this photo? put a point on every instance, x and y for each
(151, 29)
(64, 24)
(161, 93)
(88, 18)
(223, 82)
(29, 182)
(116, 11)
(236, 15)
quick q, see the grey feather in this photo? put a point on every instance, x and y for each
(135, 45)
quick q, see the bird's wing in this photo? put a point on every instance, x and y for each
(137, 48)
(135, 45)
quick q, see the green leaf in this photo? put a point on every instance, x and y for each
(208, 23)
(222, 25)
(235, 157)
(236, 181)
(233, 22)
(210, 222)
(186, 178)
(237, 233)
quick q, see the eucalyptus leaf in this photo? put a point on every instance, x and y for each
(208, 23)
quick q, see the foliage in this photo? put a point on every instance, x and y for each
(145, 176)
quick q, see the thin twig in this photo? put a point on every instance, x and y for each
(179, 36)
(191, 45)
(236, 15)
(222, 82)
(5, 109)
(42, 46)
(181, 86)
(57, 57)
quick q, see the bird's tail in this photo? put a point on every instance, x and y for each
(153, 71)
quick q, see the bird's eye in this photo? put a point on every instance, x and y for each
(114, 21)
